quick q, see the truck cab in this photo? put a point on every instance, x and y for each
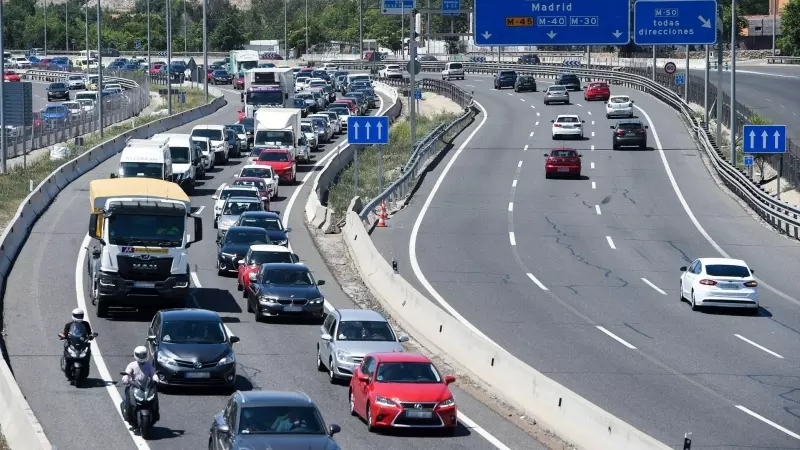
(280, 128)
(145, 158)
(187, 160)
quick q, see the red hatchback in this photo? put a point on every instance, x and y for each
(11, 76)
(351, 105)
(402, 390)
(597, 90)
(562, 162)
(262, 254)
(238, 82)
(282, 162)
(257, 183)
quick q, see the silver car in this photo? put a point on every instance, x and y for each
(556, 94)
(349, 334)
(311, 133)
(235, 207)
(336, 123)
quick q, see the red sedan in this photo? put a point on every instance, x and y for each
(262, 254)
(11, 76)
(597, 90)
(257, 183)
(562, 162)
(351, 105)
(238, 82)
(402, 390)
(282, 162)
(156, 69)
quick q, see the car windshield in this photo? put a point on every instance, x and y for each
(259, 172)
(556, 89)
(620, 99)
(239, 208)
(356, 330)
(299, 103)
(138, 229)
(141, 170)
(567, 120)
(278, 137)
(407, 372)
(456, 66)
(306, 128)
(220, 73)
(227, 193)
(237, 128)
(258, 258)
(524, 79)
(267, 223)
(58, 86)
(270, 97)
(286, 277)
(273, 156)
(180, 155)
(202, 145)
(257, 184)
(563, 154)
(629, 126)
(598, 86)
(193, 332)
(214, 135)
(281, 420)
(73, 77)
(320, 122)
(508, 73)
(341, 111)
(234, 236)
(318, 83)
(727, 270)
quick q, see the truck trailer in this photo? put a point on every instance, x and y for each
(271, 87)
(240, 61)
(280, 128)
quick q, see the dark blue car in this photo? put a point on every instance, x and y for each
(55, 115)
(505, 78)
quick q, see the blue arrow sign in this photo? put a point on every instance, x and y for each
(748, 160)
(680, 79)
(397, 7)
(418, 94)
(368, 129)
(450, 5)
(138, 44)
(764, 138)
(577, 22)
(675, 22)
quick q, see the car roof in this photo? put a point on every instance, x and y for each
(620, 95)
(254, 179)
(190, 314)
(244, 228)
(567, 115)
(563, 149)
(723, 261)
(269, 248)
(401, 357)
(270, 214)
(243, 199)
(208, 127)
(557, 86)
(360, 314)
(273, 398)
(256, 166)
(624, 121)
(288, 266)
(229, 186)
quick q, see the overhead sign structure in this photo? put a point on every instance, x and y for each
(572, 63)
(397, 7)
(764, 138)
(670, 68)
(450, 5)
(577, 22)
(368, 129)
(675, 22)
(748, 160)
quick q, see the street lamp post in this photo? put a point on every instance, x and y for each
(3, 148)
(169, 57)
(307, 52)
(205, 49)
(86, 18)
(99, 70)
(185, 47)
(149, 61)
(285, 29)
(66, 26)
(45, 27)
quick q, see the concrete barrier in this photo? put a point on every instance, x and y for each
(566, 413)
(17, 421)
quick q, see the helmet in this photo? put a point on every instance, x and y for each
(77, 315)
(140, 353)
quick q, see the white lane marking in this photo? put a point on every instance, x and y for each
(514, 183)
(594, 185)
(650, 283)
(590, 113)
(591, 164)
(512, 238)
(768, 422)
(519, 164)
(769, 100)
(479, 81)
(531, 135)
(597, 210)
(537, 114)
(537, 124)
(578, 104)
(536, 280)
(200, 210)
(510, 206)
(466, 421)
(469, 85)
(616, 338)
(783, 107)
(97, 356)
(760, 347)
(510, 94)
(592, 133)
(592, 147)
(196, 280)
(522, 99)
(593, 122)
(525, 149)
(611, 243)
(533, 107)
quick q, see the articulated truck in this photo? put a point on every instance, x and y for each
(139, 230)
(268, 87)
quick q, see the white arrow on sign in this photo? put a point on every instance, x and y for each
(777, 136)
(355, 130)
(752, 139)
(706, 22)
(367, 126)
(764, 135)
(617, 34)
(380, 129)
(486, 35)
(551, 35)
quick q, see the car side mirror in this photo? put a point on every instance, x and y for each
(320, 282)
(646, 127)
(288, 230)
(545, 155)
(333, 429)
(234, 339)
(552, 121)
(252, 276)
(752, 271)
(583, 121)
(326, 337)
(364, 378)
(631, 101)
(151, 338)
(113, 175)
(682, 269)
(214, 197)
(402, 338)
(224, 429)
(612, 127)
(580, 156)
(449, 379)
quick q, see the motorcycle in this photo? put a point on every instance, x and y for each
(140, 414)
(77, 350)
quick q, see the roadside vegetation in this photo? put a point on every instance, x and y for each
(395, 155)
(3, 443)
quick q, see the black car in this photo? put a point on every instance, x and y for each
(569, 80)
(528, 59)
(249, 124)
(261, 419)
(221, 76)
(177, 71)
(321, 74)
(267, 220)
(233, 139)
(427, 58)
(629, 133)
(285, 289)
(191, 347)
(525, 83)
(57, 91)
(505, 78)
(234, 245)
(301, 104)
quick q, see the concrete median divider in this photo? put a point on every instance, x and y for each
(17, 422)
(564, 412)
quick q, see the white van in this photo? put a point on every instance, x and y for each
(86, 95)
(204, 144)
(219, 142)
(358, 77)
(453, 70)
(144, 158)
(185, 159)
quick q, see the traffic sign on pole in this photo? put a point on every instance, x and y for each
(579, 22)
(764, 138)
(138, 44)
(397, 7)
(748, 160)
(450, 5)
(670, 68)
(418, 94)
(368, 129)
(680, 78)
(675, 22)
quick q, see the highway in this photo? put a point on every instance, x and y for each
(579, 278)
(48, 281)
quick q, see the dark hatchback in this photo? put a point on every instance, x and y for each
(285, 289)
(192, 347)
(221, 77)
(505, 78)
(301, 104)
(271, 420)
(629, 133)
(234, 245)
(525, 83)
(269, 221)
(57, 91)
(528, 59)
(570, 81)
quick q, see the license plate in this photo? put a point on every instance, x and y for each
(563, 169)
(292, 308)
(143, 284)
(728, 286)
(198, 375)
(419, 414)
(630, 133)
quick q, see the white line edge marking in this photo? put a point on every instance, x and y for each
(514, 183)
(525, 149)
(650, 283)
(760, 347)
(195, 280)
(616, 338)
(533, 107)
(611, 243)
(531, 135)
(767, 421)
(591, 164)
(590, 113)
(519, 164)
(597, 210)
(537, 123)
(522, 99)
(512, 238)
(536, 280)
(510, 206)
(97, 356)
(593, 122)
(594, 185)
(485, 434)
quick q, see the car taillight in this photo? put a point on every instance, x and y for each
(750, 284)
(708, 282)
(557, 125)
(640, 131)
(620, 132)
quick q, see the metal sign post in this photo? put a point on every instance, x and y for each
(3, 146)
(380, 168)
(355, 171)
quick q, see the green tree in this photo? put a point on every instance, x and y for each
(789, 41)
(741, 22)
(227, 35)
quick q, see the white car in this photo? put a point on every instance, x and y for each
(20, 62)
(115, 86)
(619, 106)
(261, 171)
(76, 82)
(453, 70)
(225, 191)
(330, 67)
(301, 83)
(567, 125)
(721, 282)
(74, 108)
(334, 119)
(86, 104)
(391, 71)
(205, 148)
(219, 142)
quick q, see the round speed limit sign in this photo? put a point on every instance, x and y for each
(670, 68)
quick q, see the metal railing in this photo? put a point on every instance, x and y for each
(783, 59)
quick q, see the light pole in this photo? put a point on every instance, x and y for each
(361, 28)
(66, 26)
(86, 17)
(169, 57)
(99, 70)
(733, 83)
(205, 49)
(774, 23)
(185, 47)
(45, 27)
(285, 29)
(149, 61)
(3, 148)
(307, 52)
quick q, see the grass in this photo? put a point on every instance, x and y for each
(395, 155)
(14, 185)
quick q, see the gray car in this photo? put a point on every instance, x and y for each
(273, 420)
(235, 207)
(323, 125)
(556, 94)
(349, 334)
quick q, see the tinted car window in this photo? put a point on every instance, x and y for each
(58, 86)
(563, 153)
(456, 66)
(630, 126)
(234, 236)
(724, 270)
(281, 420)
(508, 73)
(569, 78)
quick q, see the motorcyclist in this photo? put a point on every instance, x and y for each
(138, 370)
(77, 318)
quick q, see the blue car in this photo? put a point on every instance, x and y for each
(130, 67)
(55, 115)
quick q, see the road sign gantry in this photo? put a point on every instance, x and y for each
(675, 22)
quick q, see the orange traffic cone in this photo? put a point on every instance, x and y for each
(382, 216)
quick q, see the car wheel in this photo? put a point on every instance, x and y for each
(615, 147)
(694, 303)
(220, 272)
(321, 367)
(239, 286)
(547, 175)
(331, 373)
(643, 146)
(370, 426)
(680, 292)
(352, 404)
(555, 137)
(608, 116)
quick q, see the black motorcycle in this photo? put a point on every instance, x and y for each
(77, 351)
(140, 414)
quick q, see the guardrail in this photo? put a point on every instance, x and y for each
(783, 59)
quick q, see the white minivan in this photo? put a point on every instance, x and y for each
(186, 158)
(145, 158)
(453, 70)
(219, 142)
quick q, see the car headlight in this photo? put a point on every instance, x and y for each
(139, 395)
(268, 299)
(447, 403)
(161, 358)
(281, 242)
(316, 301)
(228, 255)
(342, 355)
(383, 401)
(230, 358)
(151, 397)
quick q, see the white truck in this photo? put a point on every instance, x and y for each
(280, 128)
(187, 159)
(241, 61)
(145, 158)
(138, 253)
(271, 87)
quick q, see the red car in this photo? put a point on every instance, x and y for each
(282, 162)
(306, 71)
(241, 115)
(597, 90)
(238, 82)
(259, 184)
(402, 390)
(156, 69)
(262, 254)
(351, 105)
(11, 76)
(562, 162)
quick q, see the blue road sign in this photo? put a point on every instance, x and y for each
(680, 79)
(572, 63)
(397, 7)
(748, 160)
(675, 22)
(450, 5)
(368, 129)
(138, 44)
(577, 22)
(418, 94)
(764, 138)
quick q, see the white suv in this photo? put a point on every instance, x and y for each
(453, 70)
(391, 71)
